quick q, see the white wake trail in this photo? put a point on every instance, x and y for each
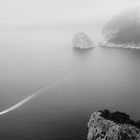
(51, 86)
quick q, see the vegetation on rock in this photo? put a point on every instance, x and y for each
(124, 28)
(104, 125)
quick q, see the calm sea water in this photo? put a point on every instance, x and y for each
(102, 78)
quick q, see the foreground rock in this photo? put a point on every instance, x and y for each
(82, 41)
(104, 125)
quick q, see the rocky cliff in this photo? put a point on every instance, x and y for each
(104, 125)
(124, 28)
(82, 41)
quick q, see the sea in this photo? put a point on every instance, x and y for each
(95, 79)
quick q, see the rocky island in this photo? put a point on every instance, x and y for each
(82, 41)
(104, 125)
(123, 30)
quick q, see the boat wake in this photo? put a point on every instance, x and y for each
(55, 84)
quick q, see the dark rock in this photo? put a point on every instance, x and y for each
(119, 117)
(104, 125)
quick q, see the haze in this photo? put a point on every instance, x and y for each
(61, 11)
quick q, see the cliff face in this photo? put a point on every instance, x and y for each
(100, 128)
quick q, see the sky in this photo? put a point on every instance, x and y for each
(61, 11)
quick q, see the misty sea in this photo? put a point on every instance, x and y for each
(101, 78)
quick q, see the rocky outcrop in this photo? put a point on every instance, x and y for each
(104, 125)
(82, 41)
(124, 29)
(119, 45)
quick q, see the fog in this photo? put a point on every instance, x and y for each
(36, 49)
(60, 12)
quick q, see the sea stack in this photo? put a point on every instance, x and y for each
(104, 125)
(82, 41)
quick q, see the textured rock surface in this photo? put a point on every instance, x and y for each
(82, 41)
(100, 128)
(117, 45)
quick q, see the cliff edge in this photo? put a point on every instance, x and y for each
(104, 125)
